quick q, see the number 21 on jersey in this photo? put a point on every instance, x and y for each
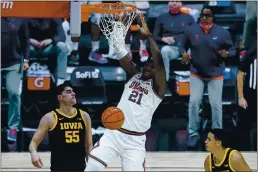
(135, 97)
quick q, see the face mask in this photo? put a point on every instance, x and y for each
(206, 26)
(174, 9)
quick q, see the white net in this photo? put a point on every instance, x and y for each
(115, 26)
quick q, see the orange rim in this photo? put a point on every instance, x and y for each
(110, 8)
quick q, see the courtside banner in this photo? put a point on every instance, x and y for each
(35, 9)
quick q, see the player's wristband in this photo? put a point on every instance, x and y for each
(121, 53)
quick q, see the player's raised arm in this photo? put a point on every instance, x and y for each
(160, 73)
(38, 136)
(121, 53)
(127, 64)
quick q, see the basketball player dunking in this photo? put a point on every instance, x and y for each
(142, 94)
(69, 132)
(222, 158)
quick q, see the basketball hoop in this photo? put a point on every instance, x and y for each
(115, 20)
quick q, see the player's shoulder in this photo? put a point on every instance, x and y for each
(50, 115)
(235, 156)
(85, 114)
(48, 118)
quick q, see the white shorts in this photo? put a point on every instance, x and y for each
(113, 143)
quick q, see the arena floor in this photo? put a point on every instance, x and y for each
(158, 161)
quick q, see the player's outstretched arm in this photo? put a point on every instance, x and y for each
(207, 164)
(238, 163)
(88, 134)
(38, 137)
(122, 55)
(160, 83)
(128, 65)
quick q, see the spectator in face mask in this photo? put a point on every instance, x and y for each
(169, 30)
(210, 45)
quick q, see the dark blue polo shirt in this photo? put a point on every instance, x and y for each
(205, 61)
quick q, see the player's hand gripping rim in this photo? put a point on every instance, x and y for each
(144, 30)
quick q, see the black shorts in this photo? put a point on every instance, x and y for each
(68, 169)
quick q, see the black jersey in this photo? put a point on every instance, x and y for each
(67, 141)
(224, 165)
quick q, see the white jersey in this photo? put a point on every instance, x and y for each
(138, 103)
